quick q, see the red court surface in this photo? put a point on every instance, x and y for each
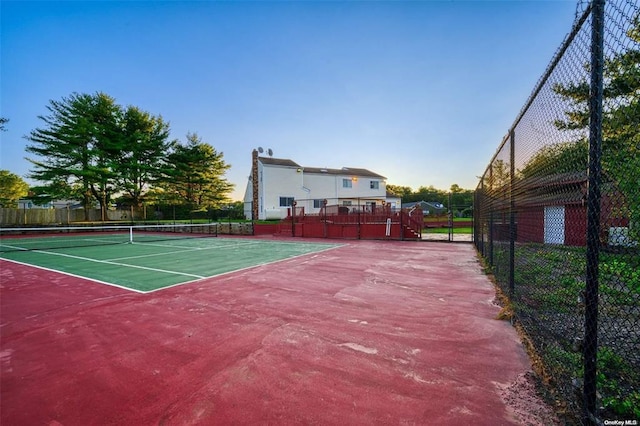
(369, 333)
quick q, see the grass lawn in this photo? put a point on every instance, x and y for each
(461, 230)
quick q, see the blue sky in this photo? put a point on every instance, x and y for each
(421, 92)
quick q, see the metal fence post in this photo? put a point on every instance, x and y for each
(512, 214)
(359, 217)
(593, 212)
(491, 207)
(293, 218)
(450, 231)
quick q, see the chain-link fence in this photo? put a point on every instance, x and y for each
(557, 217)
(451, 222)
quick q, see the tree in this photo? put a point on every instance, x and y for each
(430, 193)
(196, 174)
(104, 119)
(141, 153)
(3, 121)
(402, 191)
(455, 188)
(560, 158)
(620, 123)
(55, 190)
(461, 199)
(12, 188)
(75, 147)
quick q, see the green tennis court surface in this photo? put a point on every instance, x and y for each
(148, 266)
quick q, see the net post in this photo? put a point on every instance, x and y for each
(131, 235)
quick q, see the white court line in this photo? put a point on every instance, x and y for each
(197, 277)
(75, 275)
(119, 264)
(185, 249)
(104, 242)
(286, 259)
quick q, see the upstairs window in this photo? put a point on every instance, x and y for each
(346, 183)
(286, 201)
(374, 184)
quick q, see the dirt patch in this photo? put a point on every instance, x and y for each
(523, 402)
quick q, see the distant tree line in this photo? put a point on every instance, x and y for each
(93, 150)
(456, 199)
(12, 186)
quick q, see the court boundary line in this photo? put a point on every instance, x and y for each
(199, 278)
(118, 264)
(95, 280)
(104, 242)
(247, 268)
(184, 249)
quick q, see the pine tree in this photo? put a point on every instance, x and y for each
(620, 121)
(141, 153)
(72, 147)
(196, 174)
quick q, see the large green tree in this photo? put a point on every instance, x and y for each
(620, 125)
(104, 118)
(402, 191)
(141, 153)
(92, 148)
(196, 174)
(73, 147)
(12, 188)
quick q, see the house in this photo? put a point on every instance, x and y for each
(429, 208)
(54, 204)
(394, 200)
(276, 185)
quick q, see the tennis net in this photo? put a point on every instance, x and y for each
(50, 238)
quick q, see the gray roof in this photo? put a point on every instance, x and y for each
(278, 162)
(429, 204)
(353, 171)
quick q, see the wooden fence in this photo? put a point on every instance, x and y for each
(42, 217)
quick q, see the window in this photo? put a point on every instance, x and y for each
(286, 201)
(374, 184)
(346, 183)
(346, 203)
(318, 204)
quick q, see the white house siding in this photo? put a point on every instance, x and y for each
(276, 180)
(394, 201)
(320, 186)
(248, 199)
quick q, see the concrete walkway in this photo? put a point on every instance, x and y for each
(457, 238)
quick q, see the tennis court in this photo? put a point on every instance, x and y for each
(137, 259)
(358, 333)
